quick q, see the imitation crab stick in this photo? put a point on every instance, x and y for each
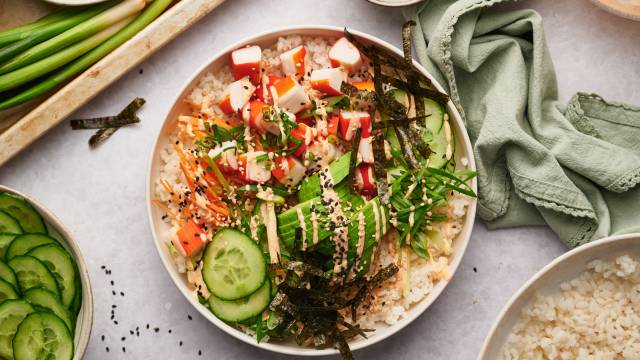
(288, 170)
(253, 115)
(344, 54)
(291, 95)
(292, 61)
(327, 81)
(262, 92)
(236, 95)
(190, 239)
(365, 180)
(252, 169)
(246, 61)
(350, 121)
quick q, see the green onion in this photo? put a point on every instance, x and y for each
(20, 32)
(22, 76)
(81, 31)
(90, 58)
(39, 34)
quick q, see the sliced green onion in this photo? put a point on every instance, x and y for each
(79, 32)
(90, 58)
(39, 34)
(20, 32)
(23, 75)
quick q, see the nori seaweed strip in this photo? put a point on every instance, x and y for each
(352, 91)
(353, 328)
(415, 89)
(101, 135)
(379, 169)
(398, 122)
(102, 122)
(353, 159)
(404, 140)
(381, 276)
(416, 139)
(304, 267)
(406, 41)
(128, 112)
(342, 345)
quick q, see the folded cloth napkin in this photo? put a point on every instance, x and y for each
(573, 167)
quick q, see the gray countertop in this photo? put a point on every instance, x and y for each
(100, 194)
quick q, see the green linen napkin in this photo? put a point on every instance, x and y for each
(573, 167)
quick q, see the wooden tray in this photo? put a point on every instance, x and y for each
(21, 126)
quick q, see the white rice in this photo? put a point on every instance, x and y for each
(594, 316)
(395, 298)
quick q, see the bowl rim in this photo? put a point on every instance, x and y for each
(418, 308)
(542, 272)
(399, 3)
(86, 311)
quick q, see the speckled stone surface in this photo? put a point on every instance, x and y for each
(100, 194)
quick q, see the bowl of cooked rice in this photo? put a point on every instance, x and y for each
(583, 305)
(400, 299)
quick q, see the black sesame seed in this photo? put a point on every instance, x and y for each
(147, 326)
(156, 329)
(122, 293)
(103, 267)
(199, 352)
(112, 283)
(189, 317)
(115, 322)
(102, 337)
(107, 348)
(124, 349)
(113, 292)
(180, 343)
(123, 338)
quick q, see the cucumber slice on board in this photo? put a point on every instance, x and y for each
(8, 275)
(242, 309)
(61, 265)
(12, 312)
(7, 292)
(25, 242)
(9, 224)
(42, 299)
(233, 265)
(27, 216)
(5, 240)
(42, 335)
(32, 273)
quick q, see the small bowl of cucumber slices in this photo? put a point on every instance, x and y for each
(46, 307)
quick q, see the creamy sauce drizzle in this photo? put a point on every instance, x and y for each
(340, 237)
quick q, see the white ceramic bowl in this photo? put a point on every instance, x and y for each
(548, 280)
(60, 232)
(160, 230)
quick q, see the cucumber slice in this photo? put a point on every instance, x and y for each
(233, 265)
(242, 309)
(27, 216)
(77, 300)
(9, 224)
(5, 240)
(42, 299)
(42, 335)
(61, 265)
(32, 273)
(7, 292)
(8, 275)
(12, 312)
(24, 243)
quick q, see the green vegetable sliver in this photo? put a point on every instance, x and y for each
(81, 31)
(35, 70)
(90, 58)
(10, 35)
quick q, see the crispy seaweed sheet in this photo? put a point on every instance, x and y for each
(108, 125)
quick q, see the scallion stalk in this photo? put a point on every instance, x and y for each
(23, 75)
(148, 15)
(18, 33)
(71, 36)
(39, 34)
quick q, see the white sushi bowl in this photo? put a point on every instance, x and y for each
(564, 268)
(57, 230)
(160, 229)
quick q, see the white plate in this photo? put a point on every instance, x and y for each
(160, 230)
(60, 232)
(564, 268)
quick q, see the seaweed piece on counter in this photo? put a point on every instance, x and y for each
(110, 124)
